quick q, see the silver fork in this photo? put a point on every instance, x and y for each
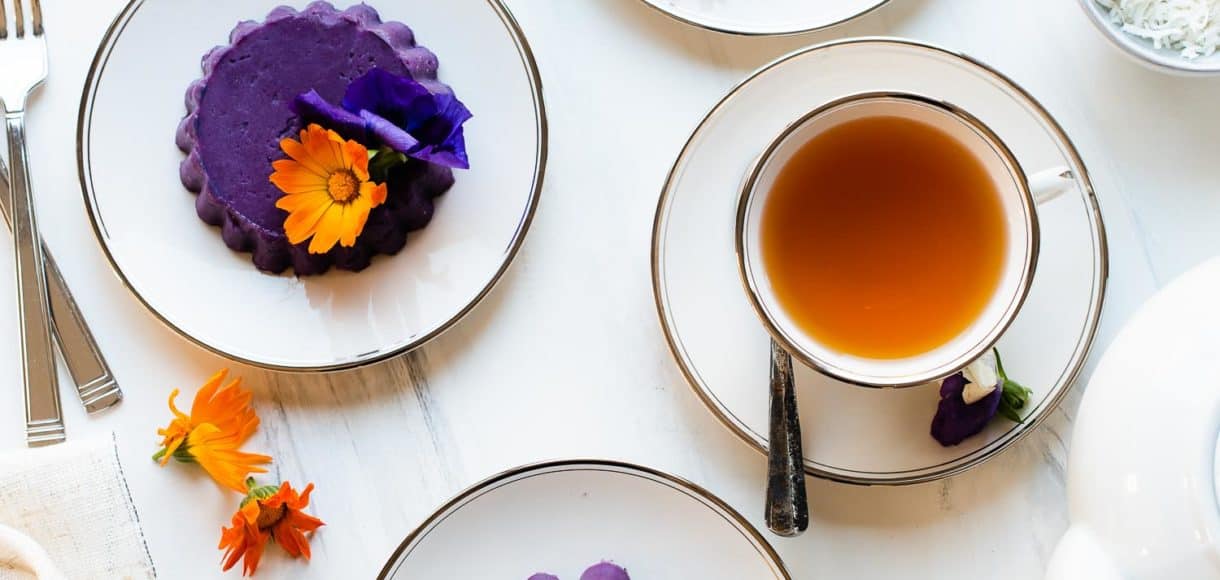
(23, 58)
(95, 383)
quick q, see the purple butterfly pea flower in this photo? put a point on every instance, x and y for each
(956, 420)
(384, 109)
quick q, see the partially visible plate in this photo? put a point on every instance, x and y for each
(765, 17)
(181, 270)
(560, 517)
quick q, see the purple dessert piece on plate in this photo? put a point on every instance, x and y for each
(240, 110)
(600, 571)
(605, 571)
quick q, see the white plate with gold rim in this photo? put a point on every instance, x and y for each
(560, 517)
(855, 434)
(181, 270)
(765, 17)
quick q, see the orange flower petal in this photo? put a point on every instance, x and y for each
(317, 146)
(358, 159)
(292, 177)
(355, 215)
(374, 192)
(203, 397)
(243, 541)
(300, 225)
(250, 512)
(300, 154)
(304, 201)
(227, 408)
(216, 452)
(291, 540)
(338, 149)
(330, 228)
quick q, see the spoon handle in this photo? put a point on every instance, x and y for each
(787, 507)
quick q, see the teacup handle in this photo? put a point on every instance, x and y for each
(1047, 185)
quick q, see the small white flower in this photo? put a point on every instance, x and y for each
(983, 378)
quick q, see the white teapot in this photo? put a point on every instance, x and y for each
(1142, 464)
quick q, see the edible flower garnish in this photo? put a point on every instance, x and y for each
(385, 110)
(221, 420)
(327, 191)
(268, 512)
(970, 399)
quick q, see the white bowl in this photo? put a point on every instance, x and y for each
(1162, 59)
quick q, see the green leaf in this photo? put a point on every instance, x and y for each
(999, 365)
(382, 161)
(1010, 414)
(183, 454)
(1013, 398)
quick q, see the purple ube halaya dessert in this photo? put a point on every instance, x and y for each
(248, 101)
(600, 571)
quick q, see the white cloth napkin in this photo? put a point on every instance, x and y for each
(73, 500)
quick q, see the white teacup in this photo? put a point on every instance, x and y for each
(1019, 194)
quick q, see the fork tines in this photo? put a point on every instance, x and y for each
(36, 8)
(19, 18)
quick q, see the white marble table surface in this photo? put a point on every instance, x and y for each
(566, 358)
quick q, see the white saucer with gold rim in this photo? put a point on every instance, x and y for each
(865, 436)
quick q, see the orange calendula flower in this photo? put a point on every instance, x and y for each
(221, 420)
(268, 513)
(327, 192)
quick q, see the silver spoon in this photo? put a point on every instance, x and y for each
(787, 506)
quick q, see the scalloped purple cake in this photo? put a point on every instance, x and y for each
(262, 89)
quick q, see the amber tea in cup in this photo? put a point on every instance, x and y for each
(883, 237)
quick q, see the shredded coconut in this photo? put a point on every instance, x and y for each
(1191, 27)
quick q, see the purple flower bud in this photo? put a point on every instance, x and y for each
(955, 420)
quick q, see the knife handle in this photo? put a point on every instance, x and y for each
(95, 383)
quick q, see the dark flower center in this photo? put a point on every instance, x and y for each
(268, 516)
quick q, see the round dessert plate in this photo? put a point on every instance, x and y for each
(854, 434)
(765, 17)
(181, 269)
(561, 517)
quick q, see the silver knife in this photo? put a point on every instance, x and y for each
(95, 384)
